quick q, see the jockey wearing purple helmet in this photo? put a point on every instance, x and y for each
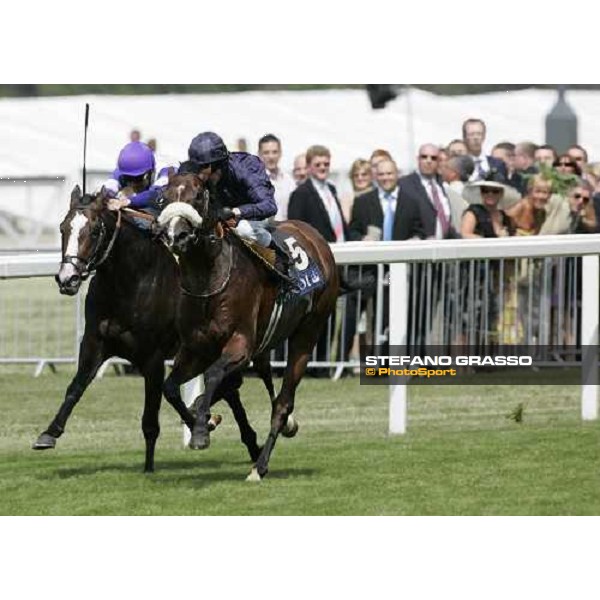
(136, 170)
(242, 186)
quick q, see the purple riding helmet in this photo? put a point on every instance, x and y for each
(136, 159)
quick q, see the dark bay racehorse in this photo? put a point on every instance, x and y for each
(129, 313)
(231, 310)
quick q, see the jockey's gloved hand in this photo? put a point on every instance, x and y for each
(116, 204)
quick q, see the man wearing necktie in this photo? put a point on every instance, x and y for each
(373, 213)
(423, 210)
(373, 218)
(474, 134)
(315, 202)
(423, 213)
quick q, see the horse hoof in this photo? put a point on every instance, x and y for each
(214, 422)
(254, 477)
(291, 428)
(45, 442)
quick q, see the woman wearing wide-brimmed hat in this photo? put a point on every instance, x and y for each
(485, 217)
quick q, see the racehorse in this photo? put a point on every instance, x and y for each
(233, 310)
(129, 313)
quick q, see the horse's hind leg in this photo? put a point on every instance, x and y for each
(91, 358)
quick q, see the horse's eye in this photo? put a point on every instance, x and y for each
(95, 232)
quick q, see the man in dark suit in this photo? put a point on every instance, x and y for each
(373, 217)
(423, 208)
(474, 134)
(315, 202)
(423, 213)
(373, 213)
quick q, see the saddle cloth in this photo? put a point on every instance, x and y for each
(306, 274)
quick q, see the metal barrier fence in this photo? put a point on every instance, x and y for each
(527, 291)
(480, 303)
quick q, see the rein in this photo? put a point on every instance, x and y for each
(110, 245)
(138, 215)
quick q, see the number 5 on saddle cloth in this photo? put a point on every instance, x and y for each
(305, 274)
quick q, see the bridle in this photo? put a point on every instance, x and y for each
(86, 268)
(211, 236)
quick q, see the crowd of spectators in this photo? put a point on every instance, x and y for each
(457, 191)
(534, 191)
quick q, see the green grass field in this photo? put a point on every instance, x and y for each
(462, 456)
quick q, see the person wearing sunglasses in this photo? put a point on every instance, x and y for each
(565, 165)
(485, 216)
(423, 207)
(316, 201)
(583, 214)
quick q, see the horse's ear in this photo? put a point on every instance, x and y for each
(171, 174)
(76, 196)
(102, 198)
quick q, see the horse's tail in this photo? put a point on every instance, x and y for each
(353, 283)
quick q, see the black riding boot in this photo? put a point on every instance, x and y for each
(283, 262)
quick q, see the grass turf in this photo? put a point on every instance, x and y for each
(462, 456)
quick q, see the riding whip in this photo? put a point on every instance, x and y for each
(87, 122)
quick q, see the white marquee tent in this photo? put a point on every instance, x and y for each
(43, 138)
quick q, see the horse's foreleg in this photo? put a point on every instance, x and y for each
(248, 435)
(187, 367)
(262, 365)
(300, 349)
(282, 409)
(91, 357)
(235, 356)
(154, 375)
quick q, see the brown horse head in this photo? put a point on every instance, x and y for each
(83, 233)
(188, 217)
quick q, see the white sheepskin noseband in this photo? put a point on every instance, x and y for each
(181, 210)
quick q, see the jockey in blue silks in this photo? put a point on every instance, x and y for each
(242, 186)
(136, 169)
